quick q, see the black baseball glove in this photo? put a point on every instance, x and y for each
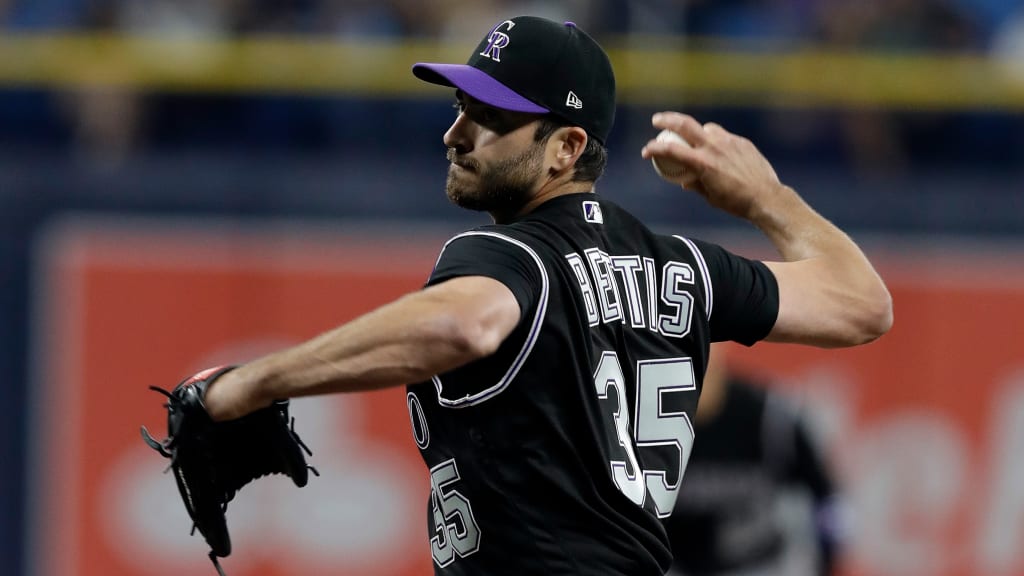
(211, 460)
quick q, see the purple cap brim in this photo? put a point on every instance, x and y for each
(477, 84)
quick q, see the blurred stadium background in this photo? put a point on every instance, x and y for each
(188, 181)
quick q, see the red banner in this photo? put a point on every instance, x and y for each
(134, 308)
(926, 425)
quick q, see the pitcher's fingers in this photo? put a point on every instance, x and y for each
(714, 127)
(683, 124)
(679, 151)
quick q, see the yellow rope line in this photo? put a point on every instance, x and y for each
(687, 74)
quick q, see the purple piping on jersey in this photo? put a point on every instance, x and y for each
(705, 277)
(531, 339)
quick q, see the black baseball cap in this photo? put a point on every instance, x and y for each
(531, 64)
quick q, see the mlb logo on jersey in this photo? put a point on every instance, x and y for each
(592, 212)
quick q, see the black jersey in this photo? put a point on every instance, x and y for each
(562, 452)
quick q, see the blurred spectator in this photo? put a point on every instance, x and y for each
(788, 21)
(755, 20)
(109, 122)
(880, 141)
(361, 19)
(753, 455)
(41, 14)
(464, 23)
(454, 20)
(174, 18)
(278, 16)
(1008, 45)
(899, 25)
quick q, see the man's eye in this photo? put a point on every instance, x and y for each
(459, 107)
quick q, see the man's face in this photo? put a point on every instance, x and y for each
(495, 162)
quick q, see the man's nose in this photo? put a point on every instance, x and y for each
(459, 134)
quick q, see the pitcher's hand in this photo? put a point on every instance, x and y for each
(726, 169)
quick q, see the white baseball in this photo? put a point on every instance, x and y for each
(668, 168)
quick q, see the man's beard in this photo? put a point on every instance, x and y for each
(502, 188)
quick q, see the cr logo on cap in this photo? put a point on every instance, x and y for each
(497, 40)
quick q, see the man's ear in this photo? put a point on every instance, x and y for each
(565, 145)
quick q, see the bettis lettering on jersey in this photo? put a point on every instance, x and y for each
(629, 288)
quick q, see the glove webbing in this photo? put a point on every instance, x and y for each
(245, 471)
(231, 494)
(230, 486)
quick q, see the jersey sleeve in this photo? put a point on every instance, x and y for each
(494, 255)
(744, 293)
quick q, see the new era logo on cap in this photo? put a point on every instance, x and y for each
(538, 66)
